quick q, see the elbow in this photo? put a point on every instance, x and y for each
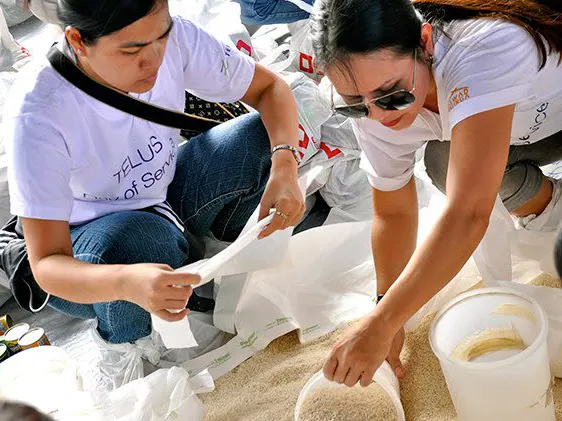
(473, 217)
(39, 272)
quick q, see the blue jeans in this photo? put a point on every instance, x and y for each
(267, 12)
(220, 178)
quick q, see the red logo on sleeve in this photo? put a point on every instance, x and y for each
(457, 96)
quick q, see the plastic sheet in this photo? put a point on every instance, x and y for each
(166, 395)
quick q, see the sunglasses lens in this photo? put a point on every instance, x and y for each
(396, 101)
(354, 111)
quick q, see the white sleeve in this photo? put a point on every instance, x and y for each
(389, 166)
(212, 69)
(39, 168)
(489, 71)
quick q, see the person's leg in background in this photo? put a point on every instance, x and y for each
(525, 191)
(267, 12)
(221, 176)
(123, 238)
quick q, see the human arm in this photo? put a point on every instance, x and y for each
(479, 152)
(153, 287)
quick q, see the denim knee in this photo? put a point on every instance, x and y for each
(122, 321)
(124, 238)
(267, 12)
(129, 238)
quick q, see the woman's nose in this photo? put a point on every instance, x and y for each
(378, 114)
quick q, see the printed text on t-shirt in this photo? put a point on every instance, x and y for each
(540, 117)
(139, 158)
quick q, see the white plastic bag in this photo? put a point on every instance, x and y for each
(11, 52)
(220, 17)
(231, 286)
(313, 112)
(45, 10)
(121, 363)
(325, 279)
(505, 253)
(301, 45)
(15, 11)
(166, 395)
(244, 255)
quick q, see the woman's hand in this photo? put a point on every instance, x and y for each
(358, 355)
(282, 193)
(158, 289)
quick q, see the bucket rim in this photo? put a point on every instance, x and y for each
(486, 365)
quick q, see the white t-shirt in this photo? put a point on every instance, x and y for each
(479, 65)
(73, 158)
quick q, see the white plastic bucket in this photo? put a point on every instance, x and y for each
(384, 377)
(512, 385)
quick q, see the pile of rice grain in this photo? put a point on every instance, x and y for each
(267, 386)
(350, 404)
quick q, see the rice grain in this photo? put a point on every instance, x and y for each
(266, 387)
(348, 404)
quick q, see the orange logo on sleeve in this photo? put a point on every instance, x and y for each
(457, 96)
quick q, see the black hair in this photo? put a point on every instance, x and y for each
(12, 411)
(344, 27)
(97, 18)
(341, 28)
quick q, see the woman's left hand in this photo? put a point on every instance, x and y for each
(358, 355)
(283, 194)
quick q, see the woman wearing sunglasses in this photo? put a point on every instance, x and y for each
(481, 84)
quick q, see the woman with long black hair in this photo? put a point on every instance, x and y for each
(479, 83)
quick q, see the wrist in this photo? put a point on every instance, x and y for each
(121, 284)
(284, 160)
(383, 322)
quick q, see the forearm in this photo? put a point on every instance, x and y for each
(393, 241)
(79, 282)
(448, 247)
(278, 111)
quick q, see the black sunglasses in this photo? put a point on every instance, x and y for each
(393, 101)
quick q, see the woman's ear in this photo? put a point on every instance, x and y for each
(427, 40)
(75, 40)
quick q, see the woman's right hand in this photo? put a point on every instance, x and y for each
(158, 288)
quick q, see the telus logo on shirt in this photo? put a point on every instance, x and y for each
(540, 117)
(134, 183)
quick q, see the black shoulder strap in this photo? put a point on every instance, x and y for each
(125, 103)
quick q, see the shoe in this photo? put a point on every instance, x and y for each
(551, 218)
